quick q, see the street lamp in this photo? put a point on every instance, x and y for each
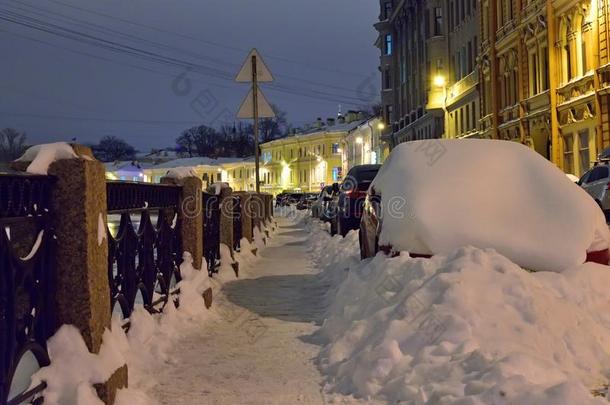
(440, 81)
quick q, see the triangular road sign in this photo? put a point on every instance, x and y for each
(262, 72)
(246, 110)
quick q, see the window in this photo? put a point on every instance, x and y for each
(583, 141)
(335, 148)
(388, 44)
(467, 117)
(438, 21)
(568, 154)
(568, 62)
(470, 55)
(533, 74)
(544, 70)
(583, 50)
(451, 12)
(387, 9)
(387, 79)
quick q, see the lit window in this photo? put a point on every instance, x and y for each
(388, 44)
(438, 21)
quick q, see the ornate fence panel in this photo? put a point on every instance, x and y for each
(143, 257)
(211, 231)
(237, 234)
(27, 272)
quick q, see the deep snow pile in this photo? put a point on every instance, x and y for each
(467, 328)
(488, 194)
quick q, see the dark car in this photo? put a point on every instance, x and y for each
(307, 201)
(328, 206)
(351, 198)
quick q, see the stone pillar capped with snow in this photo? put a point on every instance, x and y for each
(191, 211)
(82, 292)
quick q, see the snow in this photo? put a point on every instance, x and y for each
(41, 156)
(179, 173)
(101, 229)
(488, 194)
(469, 327)
(218, 186)
(146, 349)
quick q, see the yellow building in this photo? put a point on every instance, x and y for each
(307, 161)
(545, 74)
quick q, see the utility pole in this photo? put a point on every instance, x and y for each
(255, 105)
(255, 114)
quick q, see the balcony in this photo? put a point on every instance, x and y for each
(603, 73)
(537, 104)
(509, 116)
(462, 86)
(577, 91)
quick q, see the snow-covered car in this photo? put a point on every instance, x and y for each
(434, 196)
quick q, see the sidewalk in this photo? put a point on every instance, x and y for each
(256, 353)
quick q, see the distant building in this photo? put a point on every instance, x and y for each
(413, 44)
(363, 144)
(309, 160)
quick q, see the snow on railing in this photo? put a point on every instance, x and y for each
(27, 262)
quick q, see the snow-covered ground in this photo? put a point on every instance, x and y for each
(308, 322)
(467, 328)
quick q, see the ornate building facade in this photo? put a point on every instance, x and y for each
(543, 66)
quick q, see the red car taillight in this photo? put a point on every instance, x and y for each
(355, 194)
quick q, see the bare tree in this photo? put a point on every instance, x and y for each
(112, 148)
(12, 144)
(274, 128)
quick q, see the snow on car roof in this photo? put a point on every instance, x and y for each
(444, 194)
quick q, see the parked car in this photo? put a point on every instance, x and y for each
(350, 201)
(329, 198)
(596, 182)
(433, 197)
(286, 199)
(306, 201)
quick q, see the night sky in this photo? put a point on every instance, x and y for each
(144, 70)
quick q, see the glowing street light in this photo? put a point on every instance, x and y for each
(359, 140)
(439, 81)
(381, 126)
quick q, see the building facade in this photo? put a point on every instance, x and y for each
(428, 67)
(309, 160)
(544, 66)
(363, 144)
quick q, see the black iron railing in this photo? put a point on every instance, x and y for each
(211, 231)
(237, 232)
(143, 254)
(27, 272)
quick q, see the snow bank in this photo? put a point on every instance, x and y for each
(145, 348)
(467, 328)
(488, 194)
(41, 156)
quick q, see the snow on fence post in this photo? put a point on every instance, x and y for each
(257, 211)
(82, 290)
(246, 216)
(191, 216)
(226, 217)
